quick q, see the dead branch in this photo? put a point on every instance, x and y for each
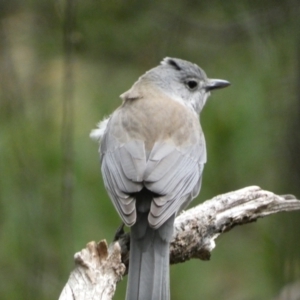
(99, 268)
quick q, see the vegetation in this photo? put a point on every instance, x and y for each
(63, 65)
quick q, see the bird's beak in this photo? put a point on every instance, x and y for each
(213, 84)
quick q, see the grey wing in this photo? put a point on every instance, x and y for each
(176, 174)
(123, 166)
(171, 171)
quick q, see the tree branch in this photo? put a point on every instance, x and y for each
(99, 267)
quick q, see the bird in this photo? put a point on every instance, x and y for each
(152, 155)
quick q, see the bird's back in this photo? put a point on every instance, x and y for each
(156, 117)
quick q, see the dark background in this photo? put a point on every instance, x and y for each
(63, 65)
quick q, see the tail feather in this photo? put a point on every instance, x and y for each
(148, 277)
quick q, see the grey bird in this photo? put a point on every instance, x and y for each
(152, 155)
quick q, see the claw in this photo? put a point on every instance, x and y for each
(120, 231)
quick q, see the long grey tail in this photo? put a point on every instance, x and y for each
(148, 277)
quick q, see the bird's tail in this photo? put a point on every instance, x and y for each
(148, 277)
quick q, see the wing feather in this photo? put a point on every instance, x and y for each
(167, 162)
(123, 166)
(180, 181)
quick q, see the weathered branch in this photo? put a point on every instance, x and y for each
(99, 268)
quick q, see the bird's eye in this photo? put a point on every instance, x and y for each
(192, 84)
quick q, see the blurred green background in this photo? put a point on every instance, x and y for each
(63, 65)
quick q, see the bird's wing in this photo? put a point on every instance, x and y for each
(123, 166)
(175, 173)
(166, 156)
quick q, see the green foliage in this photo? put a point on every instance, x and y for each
(248, 128)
